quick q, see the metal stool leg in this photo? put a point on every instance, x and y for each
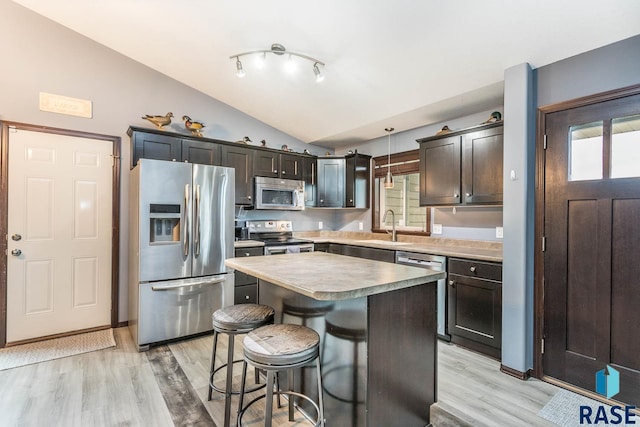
(291, 397)
(268, 405)
(320, 400)
(213, 363)
(228, 385)
(244, 377)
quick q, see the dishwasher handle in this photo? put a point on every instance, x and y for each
(433, 265)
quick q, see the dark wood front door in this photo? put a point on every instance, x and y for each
(592, 231)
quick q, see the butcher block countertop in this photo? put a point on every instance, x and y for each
(330, 277)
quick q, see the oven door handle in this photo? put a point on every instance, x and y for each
(185, 285)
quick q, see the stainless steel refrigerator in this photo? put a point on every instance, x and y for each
(181, 219)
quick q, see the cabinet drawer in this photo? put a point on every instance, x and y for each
(247, 294)
(253, 251)
(242, 279)
(479, 269)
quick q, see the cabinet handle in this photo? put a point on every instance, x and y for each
(452, 283)
(275, 171)
(249, 197)
(468, 194)
(247, 254)
(472, 269)
(284, 172)
(321, 200)
(350, 200)
(246, 297)
(456, 195)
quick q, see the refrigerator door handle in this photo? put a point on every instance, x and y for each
(185, 243)
(196, 225)
(185, 285)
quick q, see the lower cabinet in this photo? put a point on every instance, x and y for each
(475, 305)
(362, 252)
(246, 287)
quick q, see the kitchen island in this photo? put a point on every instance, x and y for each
(387, 378)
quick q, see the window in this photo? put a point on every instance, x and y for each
(616, 140)
(403, 198)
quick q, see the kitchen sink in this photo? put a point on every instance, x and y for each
(383, 242)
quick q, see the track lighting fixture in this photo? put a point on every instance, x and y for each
(290, 65)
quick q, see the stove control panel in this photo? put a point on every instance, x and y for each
(269, 226)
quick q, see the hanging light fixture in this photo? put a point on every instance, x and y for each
(278, 49)
(388, 179)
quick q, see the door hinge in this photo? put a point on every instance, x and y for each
(544, 243)
(542, 346)
(544, 145)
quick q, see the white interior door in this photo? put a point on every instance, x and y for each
(59, 234)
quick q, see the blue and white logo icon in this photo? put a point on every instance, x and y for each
(608, 382)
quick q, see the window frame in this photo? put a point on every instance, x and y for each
(403, 163)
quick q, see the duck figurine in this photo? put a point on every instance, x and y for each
(445, 129)
(494, 117)
(159, 121)
(245, 140)
(193, 126)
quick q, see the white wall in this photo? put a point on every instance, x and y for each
(42, 56)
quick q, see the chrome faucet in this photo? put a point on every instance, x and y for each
(394, 238)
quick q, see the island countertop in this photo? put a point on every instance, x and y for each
(331, 277)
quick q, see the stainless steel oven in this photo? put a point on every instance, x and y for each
(279, 194)
(277, 237)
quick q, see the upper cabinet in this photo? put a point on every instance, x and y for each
(241, 159)
(357, 180)
(462, 167)
(343, 182)
(278, 165)
(310, 177)
(145, 144)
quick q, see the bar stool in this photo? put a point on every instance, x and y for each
(349, 325)
(305, 309)
(235, 320)
(276, 348)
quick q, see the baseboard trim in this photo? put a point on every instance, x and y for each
(515, 373)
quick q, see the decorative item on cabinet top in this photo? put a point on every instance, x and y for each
(159, 121)
(445, 129)
(193, 126)
(245, 140)
(494, 117)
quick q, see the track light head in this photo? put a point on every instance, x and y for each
(239, 70)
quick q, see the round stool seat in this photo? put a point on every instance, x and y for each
(242, 317)
(347, 324)
(281, 345)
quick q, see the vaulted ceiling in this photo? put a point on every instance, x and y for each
(402, 63)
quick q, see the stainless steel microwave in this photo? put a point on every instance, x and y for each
(280, 194)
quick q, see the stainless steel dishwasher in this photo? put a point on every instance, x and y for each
(436, 263)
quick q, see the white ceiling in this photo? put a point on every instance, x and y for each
(402, 63)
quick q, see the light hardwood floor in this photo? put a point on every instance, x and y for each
(121, 387)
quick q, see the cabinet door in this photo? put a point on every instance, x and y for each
(310, 177)
(247, 294)
(331, 182)
(158, 147)
(357, 181)
(241, 159)
(440, 172)
(266, 163)
(369, 253)
(290, 166)
(482, 166)
(475, 304)
(205, 153)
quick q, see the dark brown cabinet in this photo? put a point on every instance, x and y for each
(246, 287)
(475, 305)
(462, 167)
(241, 159)
(148, 145)
(357, 180)
(310, 177)
(331, 182)
(278, 165)
(360, 252)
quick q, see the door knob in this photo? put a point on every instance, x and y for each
(16, 252)
(16, 237)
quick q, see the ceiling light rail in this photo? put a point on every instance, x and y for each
(278, 49)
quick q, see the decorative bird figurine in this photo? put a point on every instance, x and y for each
(245, 140)
(445, 129)
(159, 120)
(194, 127)
(495, 117)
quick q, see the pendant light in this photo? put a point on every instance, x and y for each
(388, 179)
